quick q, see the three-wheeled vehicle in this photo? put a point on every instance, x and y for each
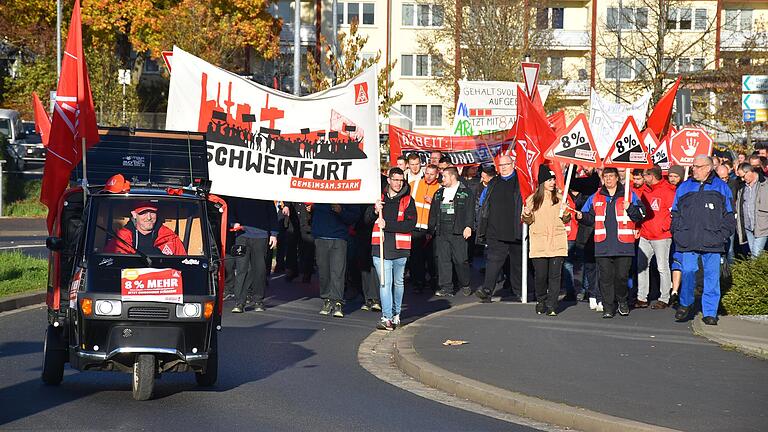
(126, 296)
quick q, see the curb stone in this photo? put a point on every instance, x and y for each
(21, 300)
(701, 330)
(409, 361)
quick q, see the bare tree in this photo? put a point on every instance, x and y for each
(494, 37)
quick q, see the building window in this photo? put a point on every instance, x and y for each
(353, 11)
(679, 19)
(701, 19)
(738, 19)
(407, 111)
(549, 18)
(425, 65)
(368, 13)
(408, 14)
(421, 115)
(628, 19)
(667, 65)
(683, 65)
(426, 115)
(406, 65)
(697, 65)
(556, 67)
(422, 15)
(339, 13)
(422, 65)
(621, 67)
(436, 115)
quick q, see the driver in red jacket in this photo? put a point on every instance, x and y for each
(143, 233)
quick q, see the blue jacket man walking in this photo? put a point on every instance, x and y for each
(702, 224)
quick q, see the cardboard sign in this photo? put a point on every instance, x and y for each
(152, 285)
(477, 149)
(628, 150)
(575, 144)
(688, 143)
(659, 150)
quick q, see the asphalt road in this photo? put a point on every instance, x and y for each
(284, 369)
(25, 235)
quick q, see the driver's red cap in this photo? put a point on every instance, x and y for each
(143, 206)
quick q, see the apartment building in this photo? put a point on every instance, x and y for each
(582, 48)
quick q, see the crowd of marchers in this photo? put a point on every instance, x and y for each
(597, 244)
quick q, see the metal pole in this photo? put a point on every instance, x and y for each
(58, 38)
(296, 47)
(335, 29)
(124, 104)
(618, 53)
(1, 187)
(524, 267)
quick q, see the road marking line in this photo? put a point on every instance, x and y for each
(22, 246)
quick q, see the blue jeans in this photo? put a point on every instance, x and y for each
(572, 265)
(391, 298)
(710, 298)
(756, 244)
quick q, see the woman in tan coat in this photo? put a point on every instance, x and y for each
(548, 240)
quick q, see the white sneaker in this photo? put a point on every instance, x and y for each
(593, 303)
(396, 321)
(599, 307)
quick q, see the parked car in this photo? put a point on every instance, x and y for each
(24, 149)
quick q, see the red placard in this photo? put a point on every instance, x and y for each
(628, 150)
(688, 143)
(153, 285)
(575, 145)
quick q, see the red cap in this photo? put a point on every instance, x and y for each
(143, 206)
(117, 184)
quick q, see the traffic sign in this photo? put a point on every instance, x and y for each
(531, 78)
(659, 150)
(755, 115)
(754, 83)
(754, 101)
(575, 144)
(167, 59)
(628, 150)
(750, 115)
(688, 143)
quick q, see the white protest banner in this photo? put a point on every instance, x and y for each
(606, 118)
(488, 106)
(266, 144)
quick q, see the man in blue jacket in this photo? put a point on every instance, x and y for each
(330, 229)
(702, 224)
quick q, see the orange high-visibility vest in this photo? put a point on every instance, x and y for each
(572, 227)
(402, 240)
(420, 190)
(625, 225)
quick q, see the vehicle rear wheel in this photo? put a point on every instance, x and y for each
(54, 356)
(143, 377)
(211, 374)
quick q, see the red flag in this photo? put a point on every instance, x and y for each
(42, 121)
(658, 121)
(74, 119)
(557, 121)
(533, 137)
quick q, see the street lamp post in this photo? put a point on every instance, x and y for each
(618, 53)
(296, 47)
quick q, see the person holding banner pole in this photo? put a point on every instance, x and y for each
(614, 219)
(422, 253)
(395, 219)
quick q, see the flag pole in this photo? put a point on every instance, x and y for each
(381, 257)
(524, 267)
(567, 186)
(85, 172)
(627, 179)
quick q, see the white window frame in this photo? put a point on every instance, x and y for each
(410, 110)
(631, 19)
(739, 27)
(345, 13)
(431, 60)
(415, 16)
(635, 70)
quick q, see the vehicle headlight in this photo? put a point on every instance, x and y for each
(109, 307)
(188, 310)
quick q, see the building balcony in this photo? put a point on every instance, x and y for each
(567, 40)
(306, 33)
(570, 89)
(743, 41)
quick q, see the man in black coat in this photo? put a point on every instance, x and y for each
(502, 230)
(451, 219)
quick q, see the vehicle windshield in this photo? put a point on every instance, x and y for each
(153, 226)
(5, 127)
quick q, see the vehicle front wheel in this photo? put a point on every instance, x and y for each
(211, 374)
(54, 356)
(144, 377)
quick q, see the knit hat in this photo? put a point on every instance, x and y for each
(677, 169)
(545, 174)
